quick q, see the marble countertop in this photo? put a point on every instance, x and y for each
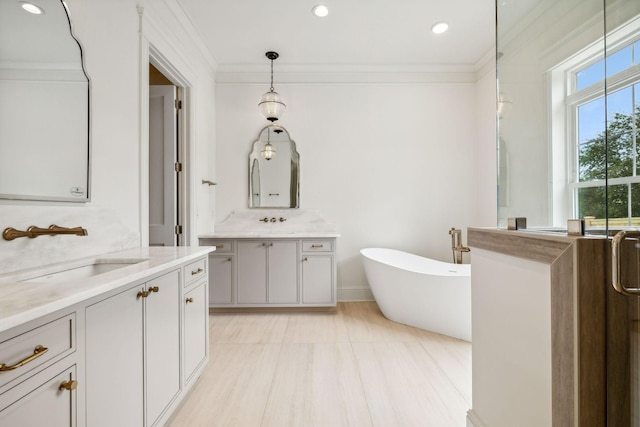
(281, 223)
(268, 235)
(22, 300)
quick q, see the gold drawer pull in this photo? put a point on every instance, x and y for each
(37, 352)
(189, 300)
(68, 385)
(154, 289)
(143, 294)
(317, 246)
(198, 271)
(219, 246)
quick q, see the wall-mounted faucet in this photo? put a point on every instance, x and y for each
(456, 245)
(33, 232)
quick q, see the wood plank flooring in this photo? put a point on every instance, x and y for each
(350, 368)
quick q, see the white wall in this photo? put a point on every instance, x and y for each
(393, 164)
(109, 32)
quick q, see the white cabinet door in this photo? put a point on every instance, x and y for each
(195, 329)
(44, 404)
(283, 272)
(317, 279)
(162, 352)
(220, 279)
(114, 361)
(252, 272)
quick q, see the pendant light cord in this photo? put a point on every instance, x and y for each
(272, 75)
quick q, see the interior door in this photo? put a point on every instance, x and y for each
(163, 185)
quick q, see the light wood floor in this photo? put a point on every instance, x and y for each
(353, 368)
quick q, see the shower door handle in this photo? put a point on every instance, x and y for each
(616, 262)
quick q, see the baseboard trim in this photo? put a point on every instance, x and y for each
(473, 420)
(354, 294)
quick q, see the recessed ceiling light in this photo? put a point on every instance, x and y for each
(32, 8)
(440, 27)
(320, 10)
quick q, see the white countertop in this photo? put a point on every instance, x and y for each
(280, 224)
(22, 301)
(269, 235)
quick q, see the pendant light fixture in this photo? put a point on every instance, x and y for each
(268, 152)
(271, 104)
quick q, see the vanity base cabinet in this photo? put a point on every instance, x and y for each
(318, 279)
(221, 273)
(114, 355)
(133, 354)
(195, 329)
(282, 272)
(162, 345)
(41, 401)
(252, 272)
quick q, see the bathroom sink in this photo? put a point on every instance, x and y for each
(94, 268)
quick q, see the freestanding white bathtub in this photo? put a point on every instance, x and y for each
(420, 292)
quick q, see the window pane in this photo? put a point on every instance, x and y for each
(618, 203)
(591, 121)
(635, 203)
(620, 133)
(636, 53)
(592, 161)
(591, 202)
(590, 75)
(619, 61)
(591, 139)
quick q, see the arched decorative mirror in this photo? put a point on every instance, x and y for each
(44, 105)
(274, 170)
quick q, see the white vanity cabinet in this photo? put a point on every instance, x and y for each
(121, 348)
(271, 272)
(133, 350)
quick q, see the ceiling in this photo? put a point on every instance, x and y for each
(356, 33)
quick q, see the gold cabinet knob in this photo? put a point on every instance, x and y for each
(143, 294)
(189, 300)
(154, 289)
(68, 385)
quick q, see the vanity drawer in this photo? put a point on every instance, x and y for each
(194, 271)
(222, 246)
(32, 349)
(317, 246)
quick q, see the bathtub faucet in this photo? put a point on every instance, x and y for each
(456, 245)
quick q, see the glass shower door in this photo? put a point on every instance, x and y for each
(622, 123)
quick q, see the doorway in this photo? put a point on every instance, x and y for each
(165, 161)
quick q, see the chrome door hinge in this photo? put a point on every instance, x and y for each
(178, 104)
(178, 167)
(178, 229)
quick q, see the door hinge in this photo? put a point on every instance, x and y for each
(178, 229)
(178, 104)
(178, 167)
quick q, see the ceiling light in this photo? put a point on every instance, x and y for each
(32, 8)
(271, 104)
(440, 27)
(320, 10)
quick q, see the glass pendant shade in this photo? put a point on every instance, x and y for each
(268, 152)
(272, 106)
